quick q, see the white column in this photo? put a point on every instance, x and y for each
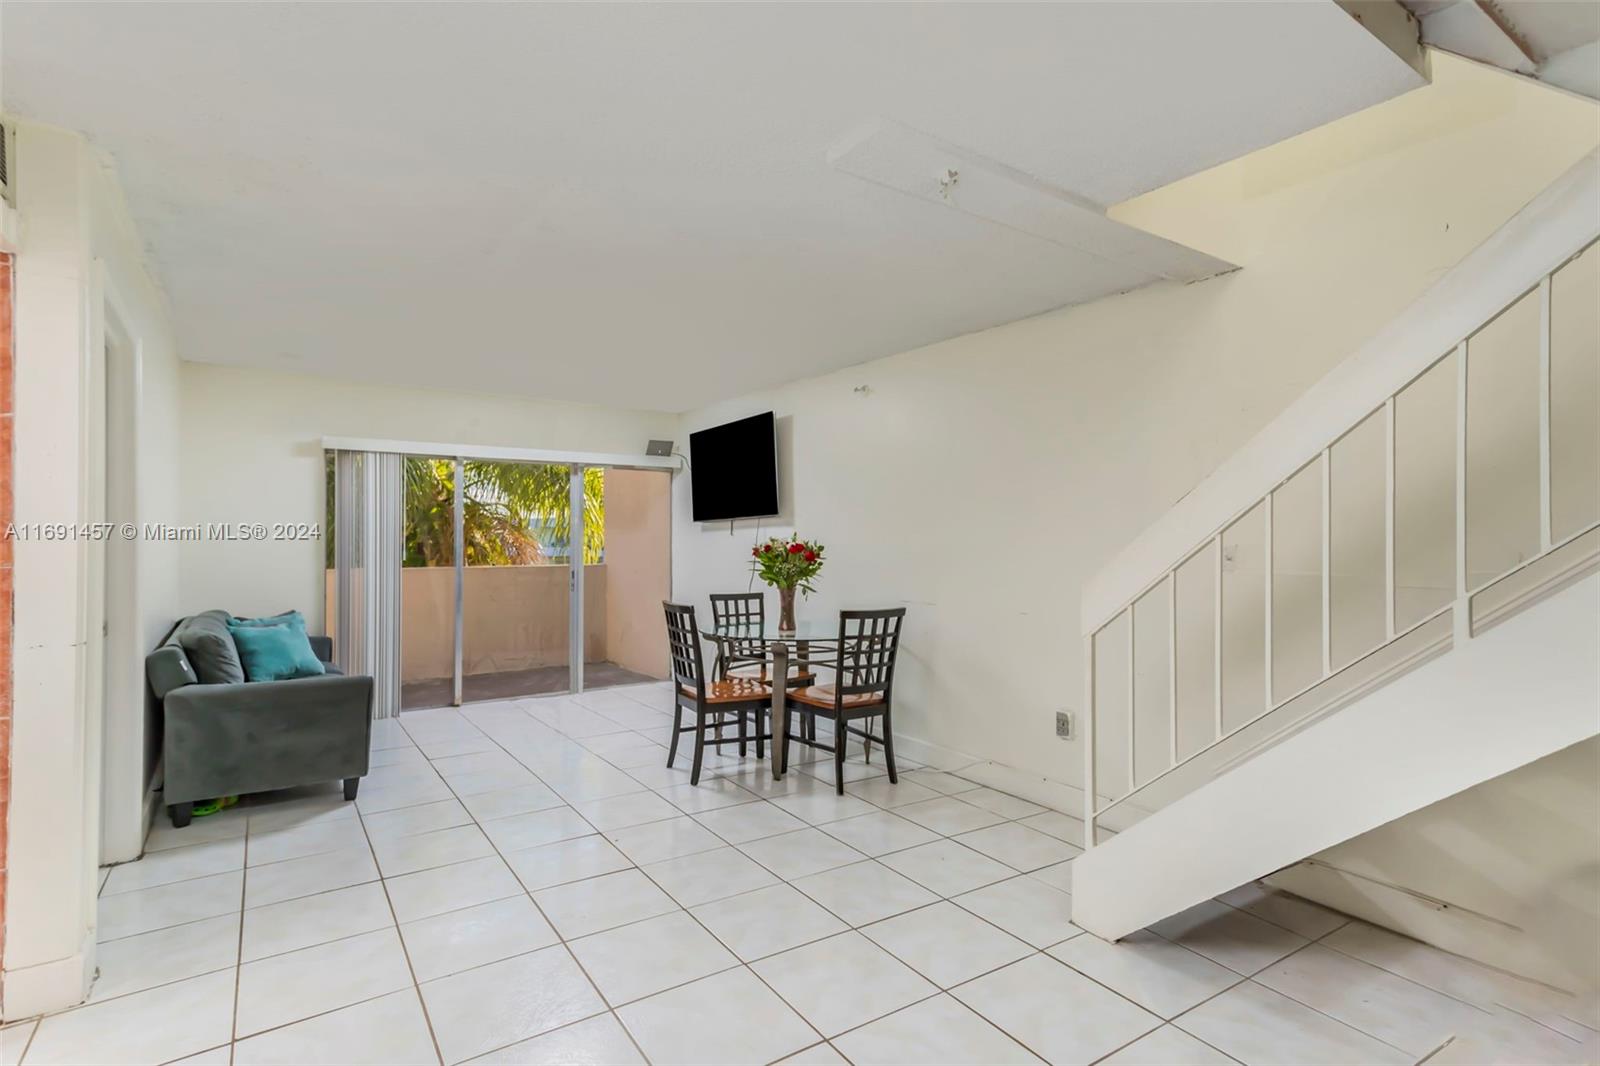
(55, 777)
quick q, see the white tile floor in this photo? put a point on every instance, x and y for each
(526, 882)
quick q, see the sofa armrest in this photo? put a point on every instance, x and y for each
(167, 669)
(323, 647)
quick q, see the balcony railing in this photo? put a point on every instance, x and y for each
(1479, 464)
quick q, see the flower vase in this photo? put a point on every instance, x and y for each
(786, 612)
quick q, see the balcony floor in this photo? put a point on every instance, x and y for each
(512, 684)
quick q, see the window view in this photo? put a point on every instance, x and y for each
(517, 537)
(427, 584)
(517, 593)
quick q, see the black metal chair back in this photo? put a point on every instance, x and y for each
(734, 610)
(683, 642)
(869, 641)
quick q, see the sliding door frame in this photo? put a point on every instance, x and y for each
(576, 463)
(575, 545)
(458, 535)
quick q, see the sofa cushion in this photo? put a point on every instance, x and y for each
(210, 649)
(275, 653)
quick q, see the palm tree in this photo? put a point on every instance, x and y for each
(510, 511)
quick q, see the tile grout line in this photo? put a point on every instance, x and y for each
(405, 950)
(238, 954)
(741, 962)
(561, 938)
(938, 989)
(1443, 992)
(1426, 987)
(729, 772)
(727, 844)
(479, 824)
(1251, 979)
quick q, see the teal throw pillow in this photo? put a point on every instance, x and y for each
(275, 652)
(290, 618)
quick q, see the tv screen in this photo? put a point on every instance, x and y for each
(734, 470)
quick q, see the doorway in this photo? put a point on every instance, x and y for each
(129, 733)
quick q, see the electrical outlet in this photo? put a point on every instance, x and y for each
(1064, 725)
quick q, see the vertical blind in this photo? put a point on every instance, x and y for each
(367, 555)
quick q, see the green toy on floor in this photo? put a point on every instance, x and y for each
(212, 806)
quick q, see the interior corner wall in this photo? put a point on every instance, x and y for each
(982, 480)
(78, 266)
(252, 453)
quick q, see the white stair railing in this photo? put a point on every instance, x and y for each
(1456, 449)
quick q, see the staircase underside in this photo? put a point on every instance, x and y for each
(1526, 688)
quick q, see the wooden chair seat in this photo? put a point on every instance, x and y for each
(823, 696)
(733, 690)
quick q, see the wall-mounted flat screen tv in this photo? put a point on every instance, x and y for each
(733, 470)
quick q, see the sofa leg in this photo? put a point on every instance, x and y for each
(350, 786)
(181, 814)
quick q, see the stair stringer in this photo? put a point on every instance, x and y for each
(1524, 689)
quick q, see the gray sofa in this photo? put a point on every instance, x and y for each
(238, 737)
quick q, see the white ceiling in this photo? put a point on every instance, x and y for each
(635, 205)
(1555, 41)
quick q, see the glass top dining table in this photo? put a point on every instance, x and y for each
(805, 632)
(779, 655)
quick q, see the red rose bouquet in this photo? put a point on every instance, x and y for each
(787, 564)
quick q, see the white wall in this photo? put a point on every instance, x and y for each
(252, 452)
(980, 481)
(78, 255)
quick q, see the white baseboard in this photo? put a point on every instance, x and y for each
(48, 986)
(1024, 784)
(1057, 795)
(930, 754)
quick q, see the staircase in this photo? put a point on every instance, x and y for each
(1390, 595)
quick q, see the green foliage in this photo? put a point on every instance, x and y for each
(328, 507)
(505, 509)
(788, 563)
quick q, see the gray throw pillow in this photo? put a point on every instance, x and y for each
(208, 644)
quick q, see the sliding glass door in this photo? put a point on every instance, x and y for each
(428, 583)
(517, 579)
(509, 578)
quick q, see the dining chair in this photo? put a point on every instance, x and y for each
(862, 688)
(708, 698)
(732, 610)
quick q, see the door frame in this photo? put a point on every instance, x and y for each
(114, 673)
